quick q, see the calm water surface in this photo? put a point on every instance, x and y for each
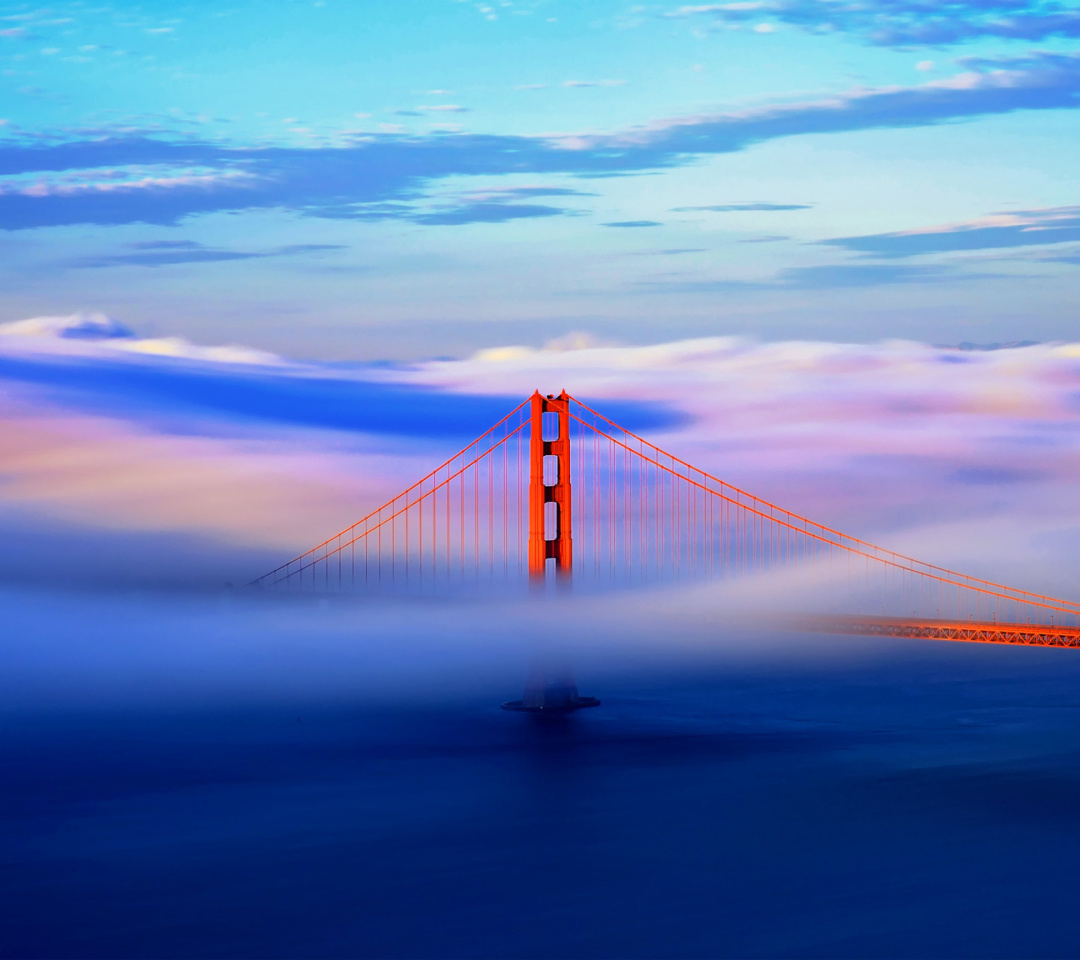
(927, 805)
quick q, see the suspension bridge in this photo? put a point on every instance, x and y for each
(556, 493)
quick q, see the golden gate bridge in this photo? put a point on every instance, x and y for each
(556, 492)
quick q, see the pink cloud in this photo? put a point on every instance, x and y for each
(119, 182)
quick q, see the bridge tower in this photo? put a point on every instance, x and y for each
(550, 530)
(552, 689)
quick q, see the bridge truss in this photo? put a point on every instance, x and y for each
(556, 490)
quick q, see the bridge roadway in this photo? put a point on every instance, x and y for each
(971, 631)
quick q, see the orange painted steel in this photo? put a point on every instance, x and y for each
(560, 545)
(1022, 634)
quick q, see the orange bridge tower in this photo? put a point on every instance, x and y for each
(552, 689)
(550, 521)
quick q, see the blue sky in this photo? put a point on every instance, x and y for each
(359, 181)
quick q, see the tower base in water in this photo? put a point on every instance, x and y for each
(551, 697)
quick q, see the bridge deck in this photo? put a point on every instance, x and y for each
(1026, 634)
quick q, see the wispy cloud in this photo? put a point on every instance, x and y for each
(754, 205)
(633, 223)
(93, 337)
(490, 205)
(861, 275)
(507, 193)
(898, 22)
(1022, 228)
(338, 181)
(75, 326)
(486, 213)
(163, 253)
(1042, 81)
(829, 277)
(593, 83)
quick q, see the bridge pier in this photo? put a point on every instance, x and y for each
(552, 692)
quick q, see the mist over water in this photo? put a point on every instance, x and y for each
(219, 774)
(154, 649)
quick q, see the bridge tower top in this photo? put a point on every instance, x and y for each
(550, 527)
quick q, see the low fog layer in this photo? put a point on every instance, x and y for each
(154, 650)
(143, 476)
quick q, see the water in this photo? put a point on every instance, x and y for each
(920, 803)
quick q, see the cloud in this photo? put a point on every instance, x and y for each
(74, 326)
(84, 181)
(163, 253)
(903, 23)
(487, 213)
(69, 472)
(633, 223)
(858, 275)
(156, 383)
(1039, 82)
(1071, 258)
(99, 365)
(114, 182)
(968, 345)
(489, 205)
(102, 337)
(829, 277)
(749, 206)
(594, 83)
(1021, 228)
(530, 192)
